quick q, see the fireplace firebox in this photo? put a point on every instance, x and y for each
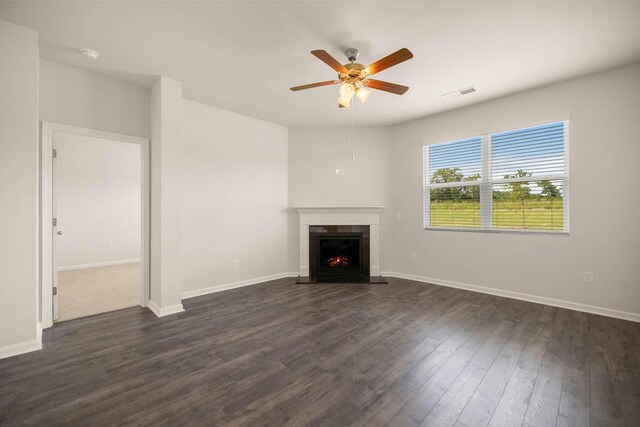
(338, 252)
(339, 255)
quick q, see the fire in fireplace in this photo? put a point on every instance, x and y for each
(338, 261)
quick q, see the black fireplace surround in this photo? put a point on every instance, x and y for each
(338, 252)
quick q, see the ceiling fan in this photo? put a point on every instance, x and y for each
(355, 77)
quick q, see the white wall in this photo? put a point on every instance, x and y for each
(18, 189)
(165, 235)
(233, 197)
(604, 201)
(98, 200)
(72, 96)
(315, 154)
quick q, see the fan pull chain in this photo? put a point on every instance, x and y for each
(352, 144)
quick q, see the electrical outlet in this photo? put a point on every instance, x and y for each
(414, 256)
(588, 277)
(236, 263)
(336, 172)
(111, 247)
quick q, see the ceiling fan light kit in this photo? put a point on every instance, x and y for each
(355, 77)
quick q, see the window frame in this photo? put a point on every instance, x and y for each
(486, 184)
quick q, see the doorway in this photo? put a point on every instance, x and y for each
(95, 192)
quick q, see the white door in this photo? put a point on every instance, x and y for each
(57, 233)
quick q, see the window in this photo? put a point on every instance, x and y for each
(515, 180)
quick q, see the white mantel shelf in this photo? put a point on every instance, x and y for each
(339, 208)
(340, 215)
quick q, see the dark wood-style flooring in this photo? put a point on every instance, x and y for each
(402, 354)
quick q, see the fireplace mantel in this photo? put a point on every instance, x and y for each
(308, 209)
(340, 215)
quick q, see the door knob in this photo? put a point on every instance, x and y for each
(59, 233)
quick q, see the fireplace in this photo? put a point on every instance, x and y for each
(339, 269)
(338, 252)
(339, 255)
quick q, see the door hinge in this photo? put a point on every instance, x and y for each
(55, 222)
(55, 153)
(55, 290)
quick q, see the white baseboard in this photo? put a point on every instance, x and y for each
(165, 311)
(98, 264)
(603, 311)
(23, 347)
(233, 285)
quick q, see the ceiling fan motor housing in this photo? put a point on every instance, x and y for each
(355, 72)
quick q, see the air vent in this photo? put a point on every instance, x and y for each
(459, 92)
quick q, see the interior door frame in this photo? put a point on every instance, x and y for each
(48, 131)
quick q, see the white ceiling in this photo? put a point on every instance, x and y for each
(243, 57)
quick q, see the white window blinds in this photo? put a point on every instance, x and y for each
(515, 180)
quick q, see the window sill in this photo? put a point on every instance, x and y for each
(500, 231)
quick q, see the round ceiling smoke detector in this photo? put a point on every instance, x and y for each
(90, 53)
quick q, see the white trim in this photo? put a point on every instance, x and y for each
(23, 347)
(233, 285)
(486, 188)
(426, 192)
(565, 182)
(46, 226)
(603, 311)
(98, 264)
(341, 209)
(93, 133)
(499, 231)
(48, 131)
(164, 311)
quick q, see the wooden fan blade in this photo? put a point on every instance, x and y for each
(395, 58)
(341, 106)
(312, 85)
(385, 86)
(324, 56)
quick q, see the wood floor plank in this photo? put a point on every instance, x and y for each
(277, 353)
(387, 406)
(425, 398)
(545, 400)
(484, 401)
(515, 399)
(451, 404)
(575, 399)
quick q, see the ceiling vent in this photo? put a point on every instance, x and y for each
(90, 53)
(459, 92)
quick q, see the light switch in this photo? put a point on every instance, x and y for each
(588, 277)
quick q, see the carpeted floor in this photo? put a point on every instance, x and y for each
(96, 290)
